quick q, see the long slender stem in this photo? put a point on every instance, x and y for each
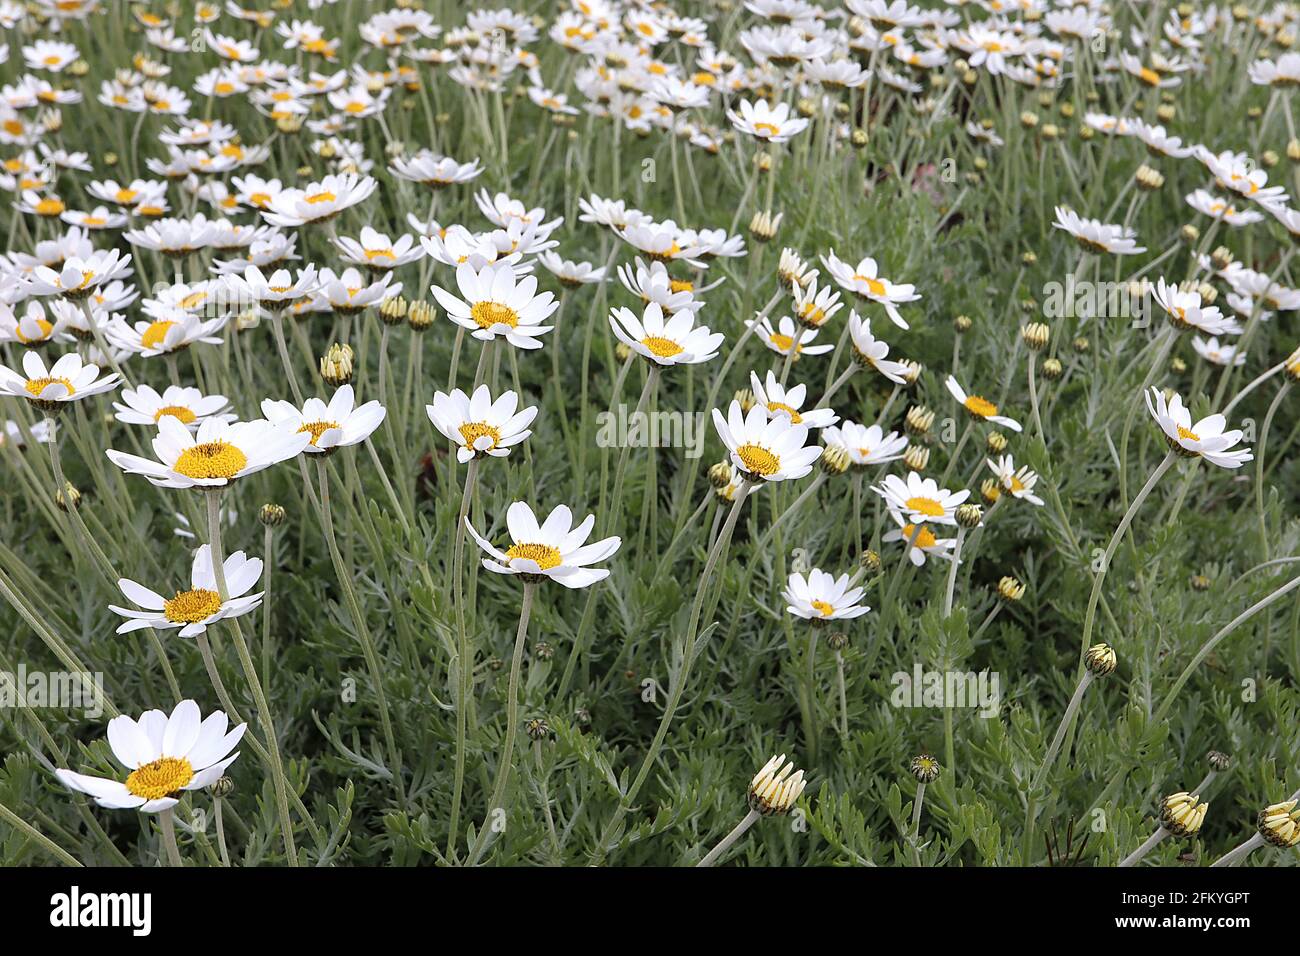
(729, 840)
(464, 663)
(1150, 844)
(167, 824)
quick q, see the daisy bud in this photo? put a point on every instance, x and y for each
(1036, 335)
(807, 108)
(1292, 366)
(996, 442)
(746, 399)
(925, 768)
(1067, 109)
(1010, 590)
(1208, 293)
(1101, 660)
(392, 311)
(1045, 100)
(1029, 257)
(1254, 112)
(336, 365)
(837, 641)
(1166, 112)
(870, 561)
(622, 352)
(918, 421)
(1092, 96)
(289, 124)
(1086, 132)
(912, 372)
(981, 163)
(537, 729)
(582, 717)
(1052, 369)
(968, 515)
(764, 225)
(835, 460)
(1219, 761)
(272, 516)
(1029, 306)
(421, 315)
(1028, 119)
(1241, 12)
(1189, 234)
(970, 77)
(720, 474)
(1081, 345)
(1269, 158)
(1200, 582)
(1221, 258)
(1148, 178)
(916, 458)
(79, 68)
(110, 159)
(1050, 131)
(973, 179)
(961, 65)
(776, 787)
(859, 139)
(222, 787)
(1181, 815)
(69, 494)
(1293, 150)
(1279, 824)
(990, 491)
(1177, 365)
(962, 323)
(763, 162)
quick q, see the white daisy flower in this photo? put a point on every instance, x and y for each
(165, 755)
(199, 607)
(822, 597)
(920, 499)
(765, 447)
(319, 201)
(871, 351)
(788, 338)
(496, 303)
(1206, 439)
(554, 549)
(330, 425)
(478, 425)
(375, 250)
(80, 276)
(214, 457)
(866, 444)
(978, 407)
(864, 280)
(169, 331)
(569, 272)
(1018, 483)
(919, 540)
(767, 123)
(676, 341)
(67, 380)
(1096, 236)
(779, 400)
(1185, 311)
(189, 406)
(1219, 354)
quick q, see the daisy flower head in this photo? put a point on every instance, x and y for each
(571, 274)
(1218, 353)
(763, 446)
(919, 540)
(436, 172)
(554, 549)
(1205, 439)
(821, 597)
(675, 341)
(871, 352)
(814, 307)
(787, 338)
(767, 123)
(377, 252)
(168, 330)
(920, 499)
(865, 281)
(319, 201)
(79, 276)
(194, 610)
(1185, 311)
(349, 293)
(866, 445)
(1096, 236)
(978, 407)
(165, 756)
(189, 406)
(494, 303)
(330, 425)
(779, 400)
(218, 454)
(50, 389)
(1016, 482)
(478, 425)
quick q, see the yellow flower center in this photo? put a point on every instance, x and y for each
(154, 335)
(159, 779)
(822, 608)
(758, 460)
(1014, 484)
(488, 314)
(980, 406)
(681, 285)
(544, 555)
(50, 207)
(473, 431)
(924, 538)
(321, 197)
(373, 254)
(766, 128)
(874, 286)
(785, 342)
(316, 429)
(37, 385)
(1187, 435)
(664, 348)
(215, 459)
(925, 506)
(190, 607)
(44, 326)
(178, 412)
(795, 417)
